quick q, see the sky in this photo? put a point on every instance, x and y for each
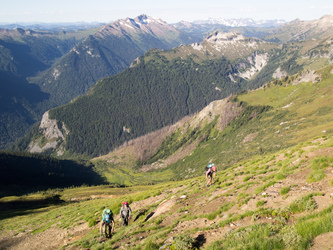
(171, 11)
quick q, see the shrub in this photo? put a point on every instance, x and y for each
(256, 236)
(280, 176)
(290, 237)
(246, 178)
(182, 242)
(284, 190)
(305, 203)
(260, 203)
(151, 246)
(318, 165)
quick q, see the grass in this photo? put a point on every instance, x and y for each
(257, 236)
(284, 190)
(304, 203)
(313, 225)
(260, 203)
(221, 209)
(318, 166)
(277, 235)
(263, 187)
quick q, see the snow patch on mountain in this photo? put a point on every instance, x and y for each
(249, 22)
(138, 22)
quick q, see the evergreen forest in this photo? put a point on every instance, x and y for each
(142, 99)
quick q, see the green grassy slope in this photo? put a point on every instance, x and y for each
(268, 201)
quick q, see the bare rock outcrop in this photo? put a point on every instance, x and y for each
(50, 127)
(52, 134)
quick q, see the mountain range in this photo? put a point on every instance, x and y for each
(112, 48)
(162, 86)
(55, 67)
(107, 52)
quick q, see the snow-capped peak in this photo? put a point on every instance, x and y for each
(241, 22)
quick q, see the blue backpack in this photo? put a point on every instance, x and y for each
(107, 218)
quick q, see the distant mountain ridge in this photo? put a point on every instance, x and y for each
(237, 22)
(107, 52)
(57, 27)
(299, 30)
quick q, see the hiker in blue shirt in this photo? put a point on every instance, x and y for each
(107, 221)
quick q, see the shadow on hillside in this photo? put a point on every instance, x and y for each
(24, 173)
(149, 216)
(17, 208)
(199, 241)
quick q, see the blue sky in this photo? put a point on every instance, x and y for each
(170, 11)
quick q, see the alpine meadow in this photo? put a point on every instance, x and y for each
(133, 111)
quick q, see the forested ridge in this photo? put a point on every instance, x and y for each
(142, 99)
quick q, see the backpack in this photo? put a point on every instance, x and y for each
(107, 218)
(107, 214)
(209, 166)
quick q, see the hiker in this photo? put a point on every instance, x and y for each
(107, 220)
(125, 213)
(210, 173)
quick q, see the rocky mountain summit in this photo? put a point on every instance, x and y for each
(231, 45)
(143, 23)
